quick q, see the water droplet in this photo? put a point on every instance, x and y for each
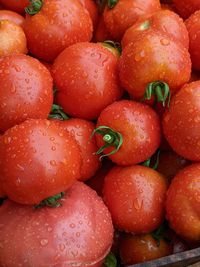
(138, 204)
(164, 41)
(53, 163)
(72, 225)
(53, 148)
(62, 247)
(13, 89)
(44, 242)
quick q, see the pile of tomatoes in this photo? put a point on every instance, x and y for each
(99, 131)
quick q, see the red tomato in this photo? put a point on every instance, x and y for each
(153, 57)
(38, 160)
(78, 233)
(101, 33)
(164, 21)
(186, 7)
(56, 26)
(92, 8)
(81, 130)
(193, 26)
(139, 127)
(182, 121)
(141, 248)
(183, 203)
(125, 13)
(86, 78)
(15, 5)
(135, 196)
(12, 16)
(26, 90)
(13, 39)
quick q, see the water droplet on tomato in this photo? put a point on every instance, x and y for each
(53, 163)
(62, 247)
(164, 41)
(138, 203)
(44, 242)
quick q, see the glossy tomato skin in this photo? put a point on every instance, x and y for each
(186, 7)
(125, 13)
(38, 160)
(26, 90)
(138, 124)
(15, 5)
(193, 26)
(79, 232)
(86, 78)
(13, 39)
(101, 33)
(182, 121)
(135, 196)
(141, 248)
(183, 203)
(164, 21)
(11, 16)
(92, 8)
(82, 130)
(153, 57)
(58, 25)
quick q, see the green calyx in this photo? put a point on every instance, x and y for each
(112, 3)
(110, 45)
(159, 233)
(34, 7)
(147, 163)
(57, 113)
(160, 90)
(111, 138)
(52, 202)
(110, 260)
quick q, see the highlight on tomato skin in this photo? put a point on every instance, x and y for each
(11, 16)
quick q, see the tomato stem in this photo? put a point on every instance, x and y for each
(111, 44)
(110, 260)
(111, 139)
(34, 7)
(57, 113)
(147, 163)
(112, 3)
(51, 201)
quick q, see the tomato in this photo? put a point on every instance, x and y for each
(101, 33)
(15, 5)
(86, 78)
(182, 121)
(38, 159)
(153, 57)
(133, 124)
(56, 26)
(11, 16)
(141, 248)
(168, 7)
(186, 7)
(81, 130)
(183, 203)
(26, 90)
(164, 21)
(92, 8)
(13, 39)
(78, 233)
(125, 13)
(135, 196)
(193, 26)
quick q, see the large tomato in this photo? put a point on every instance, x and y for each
(38, 159)
(56, 26)
(135, 196)
(182, 121)
(153, 57)
(15, 5)
(125, 13)
(186, 7)
(26, 90)
(130, 129)
(183, 203)
(78, 233)
(86, 78)
(11, 16)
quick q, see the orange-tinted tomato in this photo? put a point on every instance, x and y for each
(11, 16)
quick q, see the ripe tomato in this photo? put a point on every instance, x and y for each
(182, 121)
(137, 124)
(154, 57)
(141, 248)
(56, 26)
(38, 159)
(135, 196)
(15, 5)
(92, 8)
(193, 26)
(26, 90)
(11, 16)
(183, 203)
(13, 39)
(86, 78)
(78, 233)
(81, 130)
(101, 33)
(125, 13)
(186, 7)
(164, 21)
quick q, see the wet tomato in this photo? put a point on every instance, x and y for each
(92, 8)
(186, 7)
(86, 79)
(26, 90)
(38, 160)
(101, 33)
(11, 16)
(55, 26)
(183, 203)
(15, 5)
(135, 196)
(78, 233)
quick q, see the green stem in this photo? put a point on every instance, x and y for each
(110, 260)
(51, 201)
(57, 113)
(110, 45)
(34, 7)
(112, 3)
